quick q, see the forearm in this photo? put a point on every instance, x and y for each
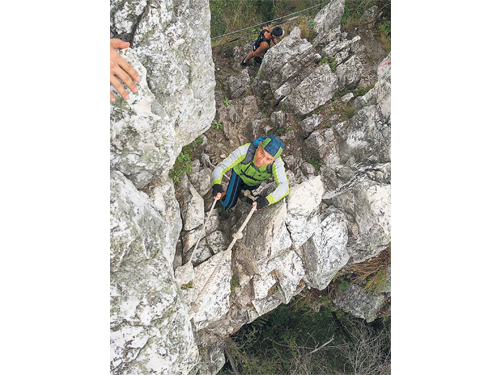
(236, 157)
(282, 188)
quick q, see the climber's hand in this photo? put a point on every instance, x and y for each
(261, 202)
(120, 68)
(217, 191)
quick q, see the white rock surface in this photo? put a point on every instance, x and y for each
(303, 204)
(150, 329)
(325, 253)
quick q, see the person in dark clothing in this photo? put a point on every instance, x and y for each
(263, 43)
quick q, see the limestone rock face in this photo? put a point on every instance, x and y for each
(308, 125)
(170, 48)
(325, 253)
(349, 73)
(368, 205)
(238, 111)
(358, 302)
(238, 84)
(327, 22)
(321, 143)
(142, 143)
(150, 328)
(303, 204)
(200, 177)
(313, 91)
(287, 64)
(266, 236)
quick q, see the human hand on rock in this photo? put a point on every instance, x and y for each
(120, 68)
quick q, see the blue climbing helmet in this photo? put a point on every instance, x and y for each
(272, 144)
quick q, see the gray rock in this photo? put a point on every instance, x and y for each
(342, 50)
(287, 64)
(370, 14)
(238, 84)
(200, 177)
(358, 302)
(313, 91)
(266, 238)
(325, 253)
(278, 119)
(347, 97)
(365, 138)
(236, 113)
(320, 143)
(309, 124)
(192, 205)
(327, 22)
(175, 101)
(303, 207)
(210, 245)
(146, 314)
(368, 206)
(349, 73)
(307, 168)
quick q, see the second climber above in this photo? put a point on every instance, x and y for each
(263, 43)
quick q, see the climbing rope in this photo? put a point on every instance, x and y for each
(203, 229)
(236, 236)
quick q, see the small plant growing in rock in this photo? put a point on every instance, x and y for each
(188, 285)
(199, 140)
(343, 285)
(234, 284)
(182, 164)
(225, 101)
(330, 61)
(217, 125)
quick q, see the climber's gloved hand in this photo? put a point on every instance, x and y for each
(261, 202)
(243, 63)
(217, 188)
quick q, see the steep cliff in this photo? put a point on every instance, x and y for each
(337, 157)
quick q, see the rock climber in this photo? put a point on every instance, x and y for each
(252, 164)
(121, 69)
(263, 43)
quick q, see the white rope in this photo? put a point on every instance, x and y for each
(263, 23)
(202, 230)
(227, 252)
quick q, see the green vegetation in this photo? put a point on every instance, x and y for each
(352, 17)
(308, 336)
(188, 285)
(217, 125)
(199, 140)
(316, 163)
(182, 164)
(225, 101)
(330, 61)
(344, 285)
(373, 271)
(362, 91)
(284, 130)
(228, 16)
(344, 110)
(234, 284)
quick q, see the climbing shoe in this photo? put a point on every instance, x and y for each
(243, 63)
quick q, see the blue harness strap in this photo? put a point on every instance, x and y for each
(232, 192)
